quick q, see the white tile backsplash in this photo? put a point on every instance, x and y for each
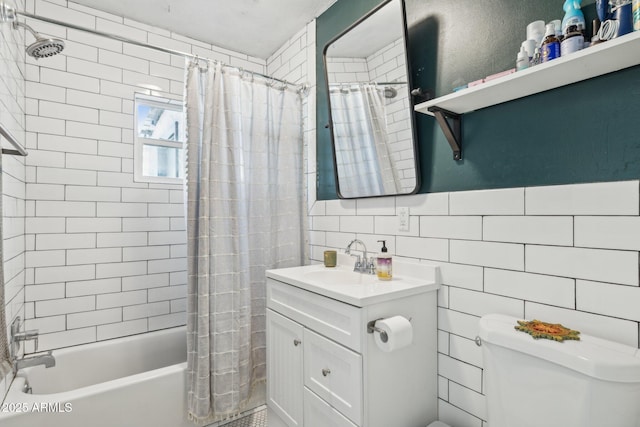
(608, 232)
(488, 254)
(591, 264)
(608, 299)
(481, 303)
(460, 372)
(462, 275)
(451, 227)
(424, 248)
(544, 289)
(468, 400)
(543, 230)
(487, 202)
(608, 198)
(570, 255)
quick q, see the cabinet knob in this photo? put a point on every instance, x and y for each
(297, 342)
(325, 372)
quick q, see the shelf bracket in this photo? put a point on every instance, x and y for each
(452, 131)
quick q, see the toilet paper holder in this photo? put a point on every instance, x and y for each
(371, 328)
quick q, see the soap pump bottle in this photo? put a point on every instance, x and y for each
(383, 263)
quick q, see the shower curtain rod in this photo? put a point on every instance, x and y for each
(375, 83)
(141, 44)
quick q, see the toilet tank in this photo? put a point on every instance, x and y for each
(542, 383)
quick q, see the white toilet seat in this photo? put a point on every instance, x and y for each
(438, 424)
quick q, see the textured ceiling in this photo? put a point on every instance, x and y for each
(254, 27)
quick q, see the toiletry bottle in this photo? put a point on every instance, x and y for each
(573, 16)
(537, 57)
(383, 263)
(573, 40)
(550, 45)
(522, 60)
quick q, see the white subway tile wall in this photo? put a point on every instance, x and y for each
(566, 254)
(104, 256)
(12, 115)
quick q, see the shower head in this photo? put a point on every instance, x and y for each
(43, 47)
(390, 92)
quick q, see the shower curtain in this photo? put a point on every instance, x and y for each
(363, 160)
(5, 360)
(245, 214)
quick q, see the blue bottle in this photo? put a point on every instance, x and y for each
(550, 45)
(573, 16)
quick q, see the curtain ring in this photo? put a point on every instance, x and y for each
(206, 68)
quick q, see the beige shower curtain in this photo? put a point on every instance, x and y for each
(5, 361)
(245, 214)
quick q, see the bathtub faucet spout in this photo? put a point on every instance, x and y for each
(46, 359)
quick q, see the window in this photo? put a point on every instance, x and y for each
(159, 140)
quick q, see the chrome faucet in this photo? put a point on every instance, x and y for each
(362, 265)
(17, 337)
(46, 359)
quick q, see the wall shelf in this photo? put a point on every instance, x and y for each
(604, 58)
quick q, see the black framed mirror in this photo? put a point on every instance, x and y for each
(370, 106)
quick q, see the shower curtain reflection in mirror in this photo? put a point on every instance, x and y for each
(245, 214)
(361, 144)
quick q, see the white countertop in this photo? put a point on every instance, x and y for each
(408, 279)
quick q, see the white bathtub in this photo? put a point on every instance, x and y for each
(137, 381)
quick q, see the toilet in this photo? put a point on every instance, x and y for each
(538, 382)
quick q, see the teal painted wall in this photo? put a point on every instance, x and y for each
(585, 132)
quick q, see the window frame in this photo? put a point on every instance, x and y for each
(139, 141)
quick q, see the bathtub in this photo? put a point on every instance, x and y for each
(136, 381)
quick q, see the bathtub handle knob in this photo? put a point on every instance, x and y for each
(297, 342)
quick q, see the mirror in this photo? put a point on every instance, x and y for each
(370, 106)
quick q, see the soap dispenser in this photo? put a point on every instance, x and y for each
(383, 263)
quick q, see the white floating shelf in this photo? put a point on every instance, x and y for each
(603, 58)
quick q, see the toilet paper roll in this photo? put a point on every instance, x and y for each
(399, 333)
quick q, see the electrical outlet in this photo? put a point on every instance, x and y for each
(403, 219)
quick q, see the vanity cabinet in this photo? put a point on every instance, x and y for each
(325, 370)
(284, 352)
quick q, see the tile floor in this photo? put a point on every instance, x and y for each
(257, 419)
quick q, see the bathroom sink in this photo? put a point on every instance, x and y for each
(359, 289)
(336, 276)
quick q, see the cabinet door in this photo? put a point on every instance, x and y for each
(318, 413)
(334, 373)
(284, 368)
